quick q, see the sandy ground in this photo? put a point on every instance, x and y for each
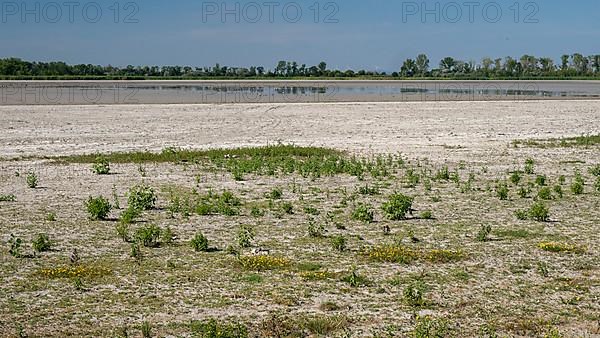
(418, 129)
(502, 286)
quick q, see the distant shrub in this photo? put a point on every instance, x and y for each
(515, 178)
(315, 229)
(123, 232)
(539, 212)
(276, 194)
(397, 206)
(523, 192)
(41, 243)
(101, 166)
(98, 207)
(287, 207)
(443, 174)
(392, 254)
(427, 214)
(363, 213)
(595, 171)
(558, 191)
(148, 236)
(597, 184)
(367, 190)
(338, 243)
(214, 329)
(245, 236)
(442, 256)
(562, 179)
(167, 236)
(529, 166)
(51, 217)
(32, 180)
(129, 215)
(256, 212)
(484, 233)
(310, 210)
(522, 215)
(199, 242)
(540, 180)
(414, 293)
(545, 193)
(141, 197)
(577, 187)
(355, 279)
(15, 246)
(502, 191)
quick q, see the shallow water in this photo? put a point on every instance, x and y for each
(190, 92)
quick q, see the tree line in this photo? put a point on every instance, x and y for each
(527, 66)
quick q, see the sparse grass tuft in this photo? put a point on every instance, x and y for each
(41, 243)
(213, 328)
(32, 180)
(199, 242)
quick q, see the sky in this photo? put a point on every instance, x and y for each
(348, 34)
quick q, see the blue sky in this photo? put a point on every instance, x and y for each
(359, 34)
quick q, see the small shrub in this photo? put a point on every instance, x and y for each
(414, 293)
(367, 190)
(539, 212)
(577, 188)
(427, 214)
(136, 252)
(502, 191)
(442, 174)
(15, 246)
(141, 197)
(529, 166)
(515, 178)
(558, 191)
(442, 256)
(101, 166)
(355, 279)
(167, 236)
(41, 243)
(8, 198)
(287, 207)
(484, 233)
(522, 215)
(338, 243)
(32, 180)
(129, 215)
(214, 329)
(276, 194)
(310, 210)
(397, 206)
(98, 207)
(123, 232)
(148, 236)
(51, 217)
(199, 243)
(256, 212)
(315, 229)
(562, 179)
(245, 236)
(523, 192)
(363, 213)
(540, 180)
(545, 193)
(597, 184)
(595, 171)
